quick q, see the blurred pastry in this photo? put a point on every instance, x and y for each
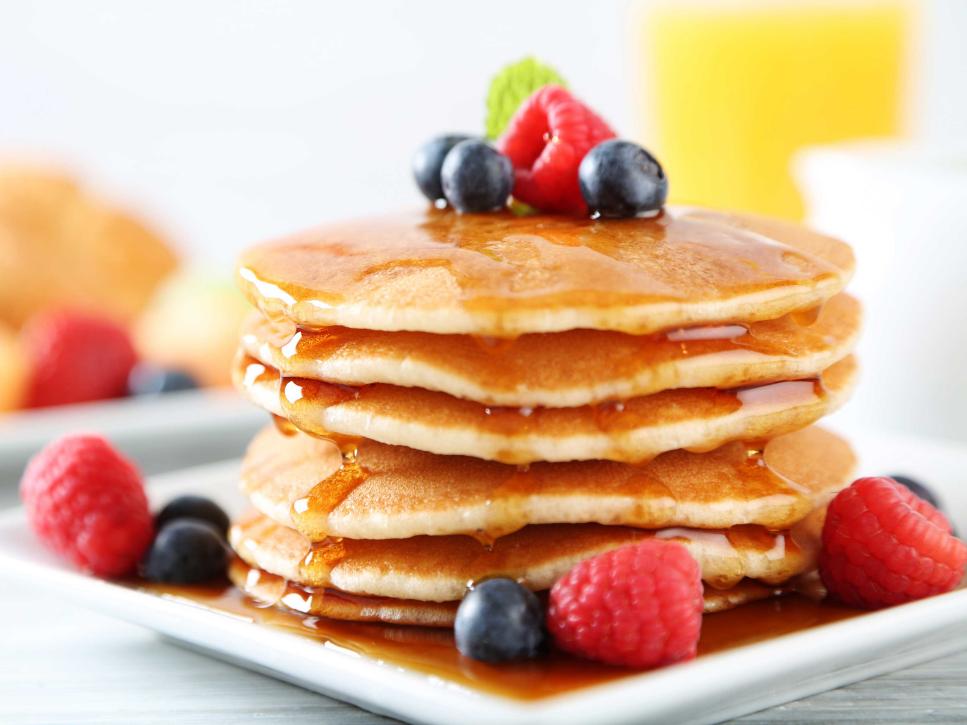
(192, 324)
(13, 369)
(63, 247)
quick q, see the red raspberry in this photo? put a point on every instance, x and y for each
(639, 606)
(75, 358)
(545, 140)
(883, 545)
(86, 502)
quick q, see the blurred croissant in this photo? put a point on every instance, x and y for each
(60, 246)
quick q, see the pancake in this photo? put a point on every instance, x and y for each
(393, 492)
(632, 431)
(334, 604)
(503, 275)
(563, 369)
(439, 568)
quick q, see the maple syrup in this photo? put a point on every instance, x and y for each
(431, 651)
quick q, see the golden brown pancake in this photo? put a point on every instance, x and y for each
(334, 604)
(563, 369)
(438, 568)
(632, 431)
(393, 492)
(498, 274)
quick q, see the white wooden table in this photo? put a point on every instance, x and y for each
(62, 665)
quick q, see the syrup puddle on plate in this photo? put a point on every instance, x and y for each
(431, 651)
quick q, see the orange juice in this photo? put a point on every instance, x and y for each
(732, 90)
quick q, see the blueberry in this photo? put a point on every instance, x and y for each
(193, 507)
(499, 620)
(428, 160)
(621, 179)
(186, 551)
(476, 177)
(919, 490)
(148, 379)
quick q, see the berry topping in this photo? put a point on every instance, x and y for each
(76, 358)
(187, 551)
(546, 140)
(476, 177)
(920, 490)
(148, 379)
(193, 507)
(511, 87)
(638, 606)
(621, 179)
(86, 502)
(427, 162)
(883, 545)
(499, 620)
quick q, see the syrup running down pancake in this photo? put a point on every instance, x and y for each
(438, 568)
(633, 431)
(392, 492)
(563, 369)
(497, 274)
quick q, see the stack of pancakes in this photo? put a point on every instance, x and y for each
(462, 397)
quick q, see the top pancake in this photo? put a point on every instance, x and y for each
(501, 275)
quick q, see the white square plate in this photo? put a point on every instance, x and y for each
(709, 689)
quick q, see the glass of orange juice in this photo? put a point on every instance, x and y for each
(731, 90)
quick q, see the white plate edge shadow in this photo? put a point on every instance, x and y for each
(709, 689)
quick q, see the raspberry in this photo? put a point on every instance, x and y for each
(883, 545)
(546, 140)
(86, 502)
(639, 606)
(76, 358)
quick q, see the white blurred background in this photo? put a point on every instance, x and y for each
(230, 122)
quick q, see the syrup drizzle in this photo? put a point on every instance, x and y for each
(297, 396)
(431, 651)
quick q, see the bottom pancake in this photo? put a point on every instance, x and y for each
(334, 604)
(439, 568)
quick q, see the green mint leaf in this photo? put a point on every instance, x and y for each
(511, 87)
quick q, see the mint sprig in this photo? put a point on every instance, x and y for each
(511, 87)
